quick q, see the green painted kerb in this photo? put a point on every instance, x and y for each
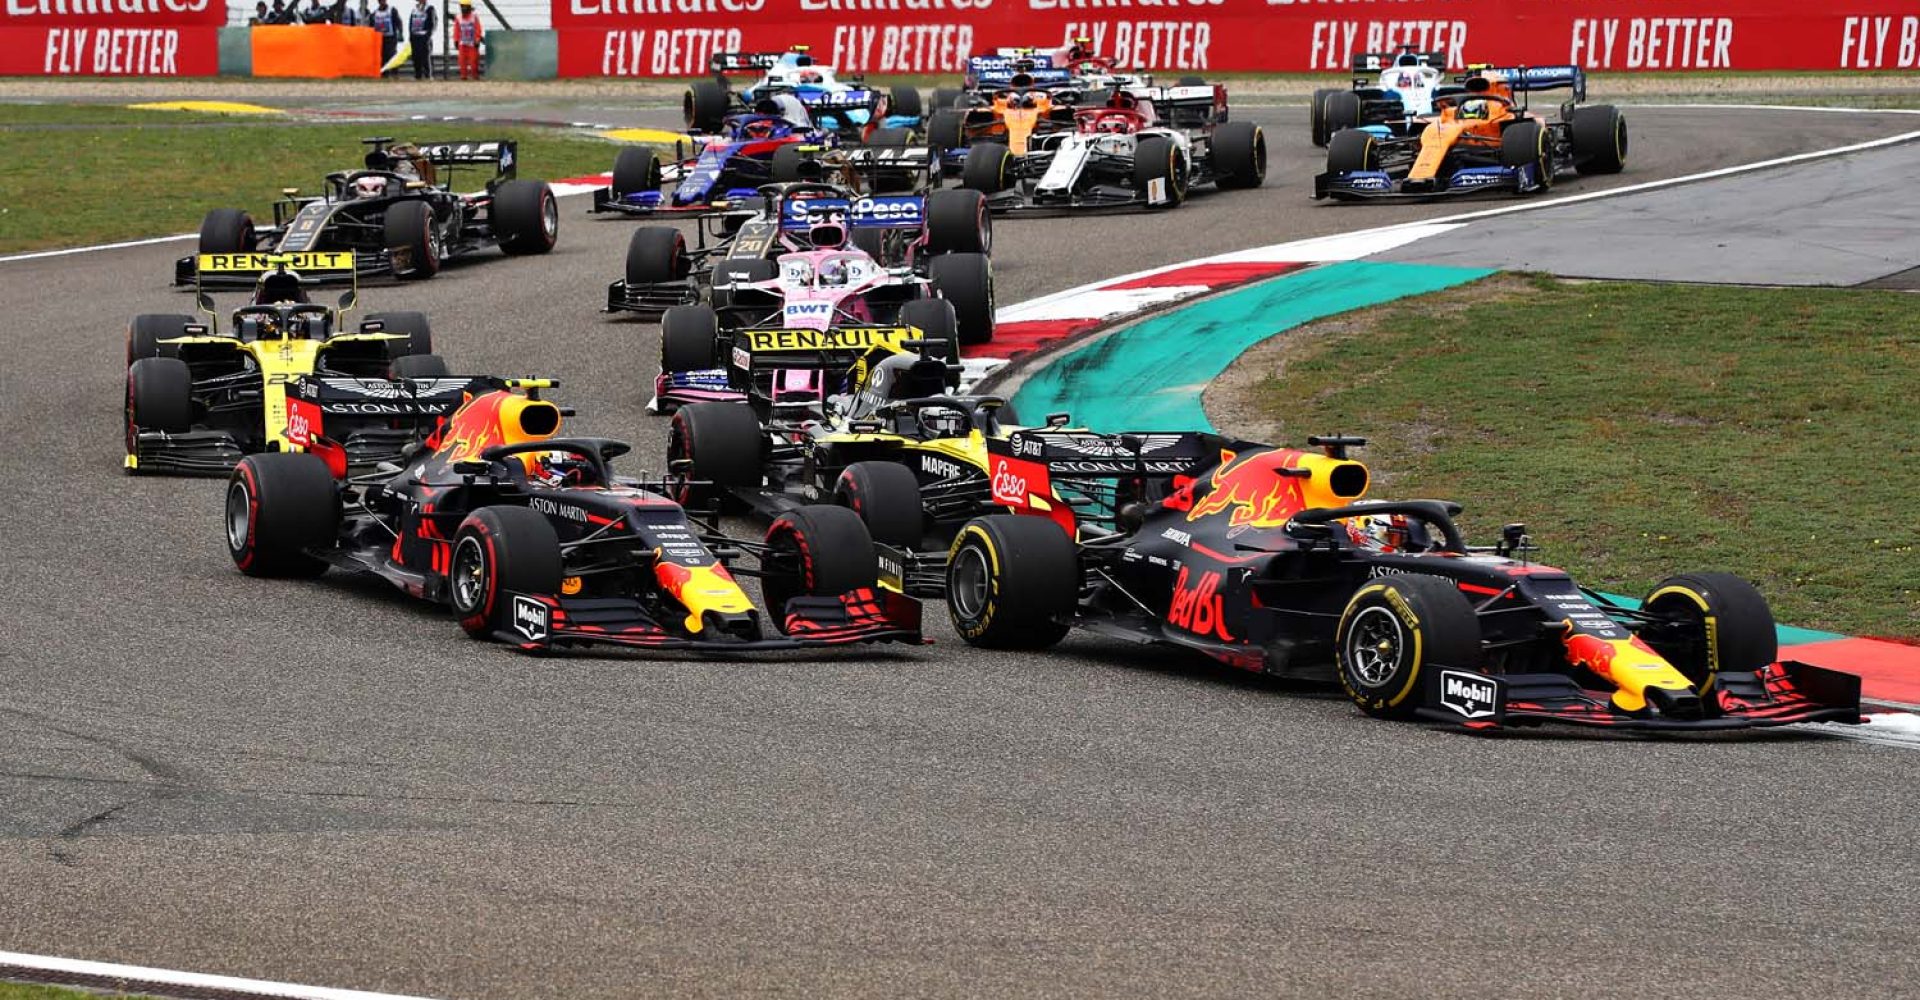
(1149, 376)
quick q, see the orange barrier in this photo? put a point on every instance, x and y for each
(315, 51)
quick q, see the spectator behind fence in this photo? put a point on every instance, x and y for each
(313, 13)
(343, 14)
(259, 14)
(279, 14)
(420, 35)
(467, 34)
(386, 21)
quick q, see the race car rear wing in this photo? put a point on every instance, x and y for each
(889, 211)
(502, 154)
(1375, 62)
(1089, 455)
(834, 349)
(1533, 79)
(744, 62)
(245, 270)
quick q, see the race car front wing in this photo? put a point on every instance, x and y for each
(1776, 695)
(538, 622)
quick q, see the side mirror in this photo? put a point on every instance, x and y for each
(204, 301)
(1057, 420)
(348, 298)
(470, 467)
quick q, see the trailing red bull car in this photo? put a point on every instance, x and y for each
(1271, 560)
(531, 539)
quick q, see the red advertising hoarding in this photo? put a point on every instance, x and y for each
(111, 37)
(676, 37)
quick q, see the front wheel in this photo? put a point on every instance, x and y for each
(958, 222)
(414, 334)
(988, 168)
(280, 507)
(500, 551)
(1240, 155)
(713, 446)
(526, 218)
(966, 280)
(411, 240)
(1713, 623)
(886, 496)
(1160, 172)
(816, 551)
(1599, 137)
(689, 339)
(1013, 582)
(1393, 629)
(1525, 144)
(636, 169)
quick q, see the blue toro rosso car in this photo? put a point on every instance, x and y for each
(765, 145)
(1480, 139)
(848, 108)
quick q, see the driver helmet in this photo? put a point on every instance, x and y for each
(942, 422)
(559, 469)
(1122, 99)
(833, 272)
(370, 187)
(1387, 533)
(1474, 110)
(1111, 123)
(811, 76)
(761, 129)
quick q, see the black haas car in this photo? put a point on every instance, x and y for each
(532, 540)
(398, 213)
(1269, 559)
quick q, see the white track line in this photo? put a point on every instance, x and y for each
(105, 975)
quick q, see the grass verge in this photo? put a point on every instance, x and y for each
(81, 174)
(1642, 429)
(34, 991)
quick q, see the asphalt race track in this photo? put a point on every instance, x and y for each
(325, 783)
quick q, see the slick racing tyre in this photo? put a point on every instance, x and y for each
(1012, 582)
(988, 169)
(937, 323)
(1525, 144)
(1599, 139)
(966, 280)
(874, 243)
(411, 240)
(1239, 155)
(948, 97)
(1339, 110)
(894, 180)
(712, 446)
(786, 165)
(704, 106)
(499, 550)
(656, 254)
(1714, 623)
(159, 398)
(886, 495)
(1317, 116)
(412, 326)
(1394, 628)
(636, 169)
(947, 129)
(280, 507)
(146, 332)
(689, 339)
(227, 230)
(817, 551)
(903, 101)
(1352, 151)
(420, 366)
(1158, 159)
(958, 222)
(526, 217)
(757, 304)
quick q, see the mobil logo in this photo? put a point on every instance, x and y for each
(1198, 607)
(888, 210)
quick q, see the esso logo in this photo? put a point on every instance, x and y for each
(1007, 486)
(299, 429)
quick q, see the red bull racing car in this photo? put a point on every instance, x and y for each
(533, 541)
(1269, 559)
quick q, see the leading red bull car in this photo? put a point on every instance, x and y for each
(532, 540)
(1272, 560)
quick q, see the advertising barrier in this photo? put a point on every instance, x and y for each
(321, 51)
(676, 37)
(111, 37)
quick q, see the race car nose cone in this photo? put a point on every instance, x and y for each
(1675, 704)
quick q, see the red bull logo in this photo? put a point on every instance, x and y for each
(1199, 609)
(1254, 488)
(1591, 652)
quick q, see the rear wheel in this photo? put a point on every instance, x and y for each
(937, 323)
(1599, 136)
(903, 101)
(636, 169)
(227, 230)
(704, 106)
(1012, 582)
(1393, 629)
(411, 240)
(1339, 110)
(947, 97)
(1525, 144)
(818, 551)
(887, 498)
(713, 446)
(499, 551)
(412, 326)
(1352, 151)
(1159, 164)
(146, 332)
(1239, 155)
(989, 168)
(785, 165)
(947, 129)
(420, 366)
(966, 280)
(958, 222)
(526, 218)
(1317, 116)
(1717, 623)
(280, 507)
(656, 255)
(689, 339)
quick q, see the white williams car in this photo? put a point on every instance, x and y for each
(1387, 87)
(1145, 146)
